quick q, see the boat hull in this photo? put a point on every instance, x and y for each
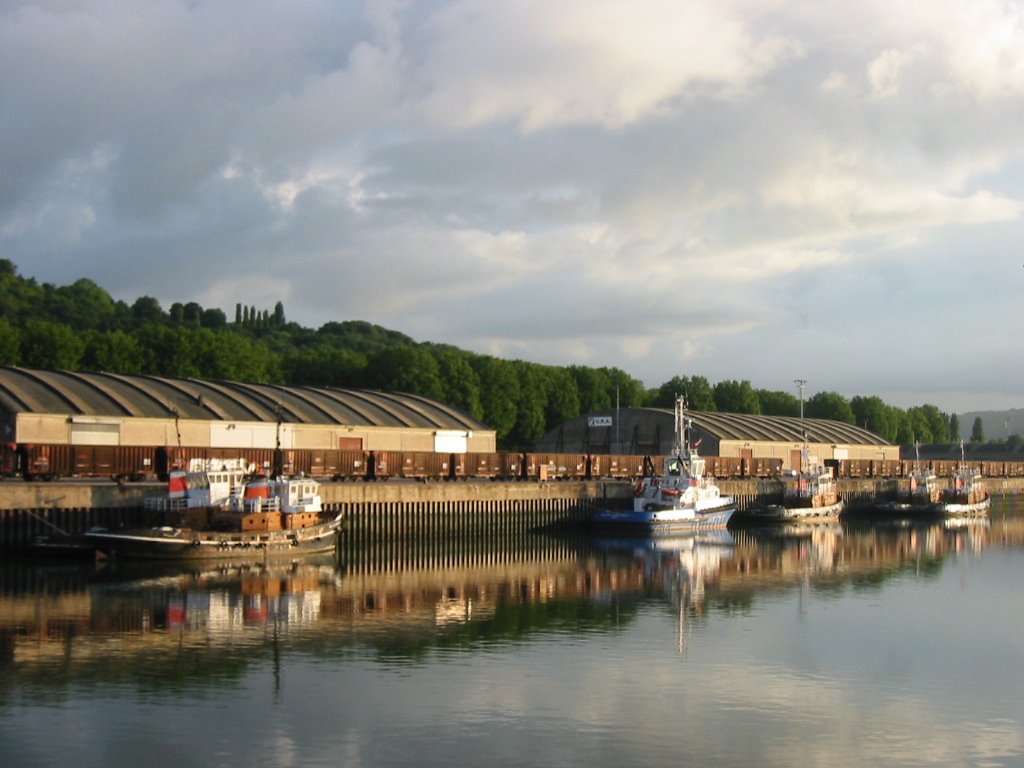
(904, 508)
(956, 509)
(933, 509)
(183, 544)
(779, 513)
(661, 522)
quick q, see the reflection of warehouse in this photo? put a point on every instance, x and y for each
(649, 431)
(63, 408)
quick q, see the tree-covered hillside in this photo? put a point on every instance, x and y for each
(80, 327)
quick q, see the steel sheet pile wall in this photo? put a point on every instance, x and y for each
(19, 528)
(384, 536)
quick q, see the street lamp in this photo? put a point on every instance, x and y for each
(800, 384)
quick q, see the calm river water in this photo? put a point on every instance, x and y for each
(828, 645)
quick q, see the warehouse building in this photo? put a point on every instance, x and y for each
(65, 408)
(650, 431)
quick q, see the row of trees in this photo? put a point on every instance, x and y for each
(80, 327)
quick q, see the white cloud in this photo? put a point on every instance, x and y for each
(698, 187)
(544, 65)
(885, 71)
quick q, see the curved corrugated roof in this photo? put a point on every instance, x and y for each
(743, 426)
(654, 425)
(106, 394)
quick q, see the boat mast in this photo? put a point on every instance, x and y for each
(682, 439)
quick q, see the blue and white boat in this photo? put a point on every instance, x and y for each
(679, 499)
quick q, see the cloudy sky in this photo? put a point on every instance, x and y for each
(739, 189)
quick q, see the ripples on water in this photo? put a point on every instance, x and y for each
(854, 645)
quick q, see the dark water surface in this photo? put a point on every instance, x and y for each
(860, 644)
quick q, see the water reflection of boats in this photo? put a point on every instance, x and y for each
(680, 568)
(668, 543)
(680, 499)
(219, 596)
(191, 574)
(59, 621)
(976, 523)
(790, 529)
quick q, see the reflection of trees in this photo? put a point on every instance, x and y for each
(167, 630)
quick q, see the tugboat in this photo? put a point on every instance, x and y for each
(811, 495)
(924, 492)
(219, 509)
(678, 500)
(966, 497)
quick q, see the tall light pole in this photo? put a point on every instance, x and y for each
(801, 383)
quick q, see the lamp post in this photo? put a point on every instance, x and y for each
(618, 445)
(800, 383)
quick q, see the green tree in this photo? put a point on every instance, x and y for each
(954, 428)
(874, 415)
(192, 314)
(629, 391)
(213, 318)
(736, 397)
(232, 356)
(167, 352)
(594, 386)
(112, 352)
(977, 431)
(360, 336)
(460, 382)
(563, 400)
(931, 424)
(405, 369)
(499, 393)
(323, 366)
(279, 320)
(530, 422)
(778, 403)
(905, 434)
(699, 394)
(82, 305)
(10, 339)
(147, 310)
(928, 425)
(51, 345)
(829, 405)
(20, 298)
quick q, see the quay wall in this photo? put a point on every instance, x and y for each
(392, 509)
(32, 509)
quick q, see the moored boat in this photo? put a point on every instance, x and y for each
(678, 498)
(966, 495)
(810, 495)
(218, 509)
(923, 493)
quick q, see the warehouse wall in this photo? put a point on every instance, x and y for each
(61, 429)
